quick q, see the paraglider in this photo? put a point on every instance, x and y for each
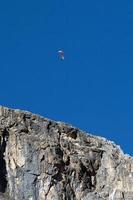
(61, 54)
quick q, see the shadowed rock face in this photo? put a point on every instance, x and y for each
(45, 160)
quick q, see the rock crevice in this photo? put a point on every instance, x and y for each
(3, 171)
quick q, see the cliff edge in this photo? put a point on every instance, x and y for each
(42, 159)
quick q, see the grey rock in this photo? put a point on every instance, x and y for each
(42, 159)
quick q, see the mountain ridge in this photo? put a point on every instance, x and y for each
(43, 159)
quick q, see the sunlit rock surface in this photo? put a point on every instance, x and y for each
(42, 159)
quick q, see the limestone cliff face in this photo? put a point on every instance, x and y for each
(42, 159)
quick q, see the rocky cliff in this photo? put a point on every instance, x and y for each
(42, 159)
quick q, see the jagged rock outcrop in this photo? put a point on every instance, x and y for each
(42, 159)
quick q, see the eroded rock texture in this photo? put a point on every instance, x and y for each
(46, 160)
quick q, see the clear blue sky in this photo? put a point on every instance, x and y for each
(93, 87)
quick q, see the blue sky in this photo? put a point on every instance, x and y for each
(93, 87)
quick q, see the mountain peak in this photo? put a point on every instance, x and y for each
(46, 160)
